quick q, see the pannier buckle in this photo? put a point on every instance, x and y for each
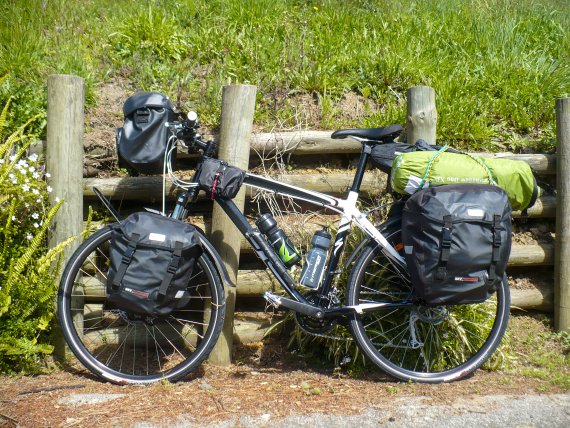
(128, 256)
(446, 238)
(173, 266)
(496, 240)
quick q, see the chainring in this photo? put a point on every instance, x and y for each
(312, 325)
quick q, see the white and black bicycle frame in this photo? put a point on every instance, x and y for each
(350, 214)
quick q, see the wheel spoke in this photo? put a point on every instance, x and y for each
(130, 347)
(416, 342)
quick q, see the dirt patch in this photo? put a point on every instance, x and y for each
(216, 393)
(101, 123)
(265, 379)
(354, 107)
(533, 233)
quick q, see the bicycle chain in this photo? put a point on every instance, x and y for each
(323, 335)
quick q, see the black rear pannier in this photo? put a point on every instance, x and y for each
(142, 141)
(218, 179)
(151, 262)
(457, 241)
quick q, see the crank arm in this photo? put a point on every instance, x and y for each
(302, 308)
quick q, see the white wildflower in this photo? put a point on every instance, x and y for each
(32, 169)
(36, 175)
(29, 236)
(57, 199)
(13, 218)
(22, 163)
(13, 158)
(33, 157)
(36, 225)
(48, 175)
(49, 189)
(25, 188)
(35, 216)
(35, 191)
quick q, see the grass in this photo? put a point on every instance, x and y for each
(538, 353)
(530, 350)
(497, 65)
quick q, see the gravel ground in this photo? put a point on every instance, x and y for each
(475, 411)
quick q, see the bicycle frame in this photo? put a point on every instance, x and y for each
(345, 207)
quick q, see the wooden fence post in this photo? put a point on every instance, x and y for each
(65, 127)
(238, 105)
(422, 115)
(64, 162)
(562, 252)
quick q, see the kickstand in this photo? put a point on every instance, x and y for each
(107, 204)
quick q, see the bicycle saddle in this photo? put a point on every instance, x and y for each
(376, 134)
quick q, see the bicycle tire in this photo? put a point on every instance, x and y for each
(125, 348)
(415, 343)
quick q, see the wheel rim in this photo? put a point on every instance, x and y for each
(422, 343)
(123, 347)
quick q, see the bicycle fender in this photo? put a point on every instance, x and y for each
(390, 224)
(212, 252)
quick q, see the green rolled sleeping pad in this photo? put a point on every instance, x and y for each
(415, 170)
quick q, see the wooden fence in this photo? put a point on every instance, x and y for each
(252, 282)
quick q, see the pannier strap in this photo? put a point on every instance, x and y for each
(217, 178)
(441, 273)
(215, 185)
(496, 248)
(443, 149)
(126, 260)
(171, 270)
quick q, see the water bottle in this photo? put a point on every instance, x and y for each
(313, 270)
(278, 240)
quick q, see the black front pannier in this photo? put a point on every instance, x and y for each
(142, 141)
(218, 179)
(151, 262)
(457, 241)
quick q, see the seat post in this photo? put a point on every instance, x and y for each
(366, 150)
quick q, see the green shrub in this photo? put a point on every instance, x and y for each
(28, 270)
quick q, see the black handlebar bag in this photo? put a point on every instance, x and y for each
(142, 141)
(457, 241)
(218, 179)
(152, 258)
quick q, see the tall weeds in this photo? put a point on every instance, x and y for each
(28, 270)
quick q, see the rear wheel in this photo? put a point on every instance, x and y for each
(421, 343)
(126, 348)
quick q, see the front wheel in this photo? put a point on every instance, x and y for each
(421, 343)
(123, 347)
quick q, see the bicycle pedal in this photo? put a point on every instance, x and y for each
(302, 308)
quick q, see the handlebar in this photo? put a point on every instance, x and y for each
(187, 131)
